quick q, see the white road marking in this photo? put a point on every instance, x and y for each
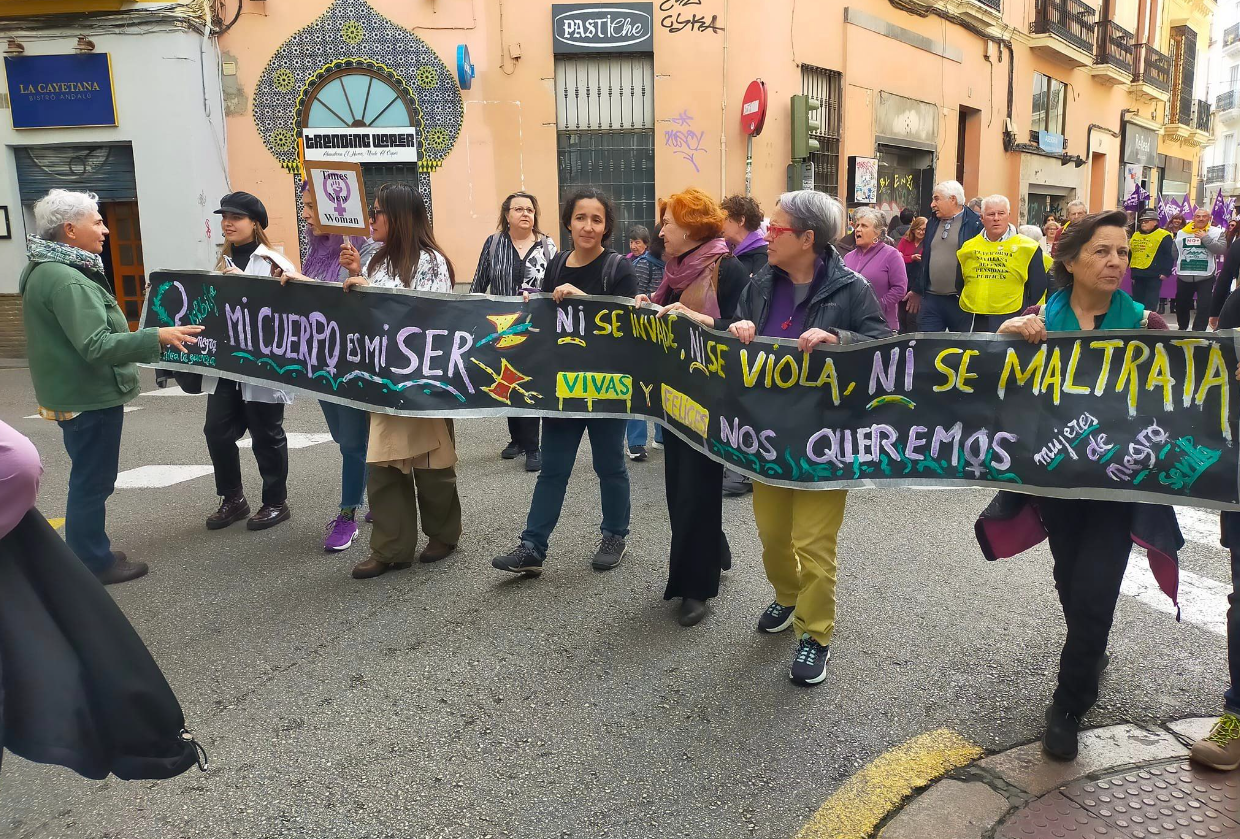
(1203, 601)
(296, 440)
(1199, 526)
(129, 409)
(174, 390)
(154, 477)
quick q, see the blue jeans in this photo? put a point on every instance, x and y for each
(942, 313)
(637, 432)
(93, 441)
(561, 439)
(350, 428)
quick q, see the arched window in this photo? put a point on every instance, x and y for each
(356, 99)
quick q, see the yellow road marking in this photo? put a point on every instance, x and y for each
(868, 796)
(56, 523)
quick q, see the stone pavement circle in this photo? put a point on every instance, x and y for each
(959, 809)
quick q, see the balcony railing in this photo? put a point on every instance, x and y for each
(1152, 67)
(1201, 116)
(1225, 101)
(1231, 35)
(997, 5)
(1219, 174)
(1070, 20)
(1115, 46)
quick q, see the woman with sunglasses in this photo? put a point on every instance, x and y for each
(412, 459)
(514, 258)
(807, 295)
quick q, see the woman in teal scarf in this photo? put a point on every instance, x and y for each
(1090, 540)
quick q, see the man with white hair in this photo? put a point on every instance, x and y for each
(1002, 271)
(935, 296)
(83, 364)
(1197, 245)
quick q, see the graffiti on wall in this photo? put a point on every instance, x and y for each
(678, 17)
(685, 141)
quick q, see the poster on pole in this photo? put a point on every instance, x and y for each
(339, 197)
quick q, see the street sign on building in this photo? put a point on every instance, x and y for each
(602, 27)
(753, 108)
(61, 91)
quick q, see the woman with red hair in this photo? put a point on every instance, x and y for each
(701, 281)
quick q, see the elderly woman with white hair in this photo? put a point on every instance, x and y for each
(879, 263)
(1002, 271)
(83, 361)
(934, 294)
(807, 294)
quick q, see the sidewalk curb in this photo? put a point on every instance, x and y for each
(968, 803)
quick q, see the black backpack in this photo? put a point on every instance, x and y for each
(610, 267)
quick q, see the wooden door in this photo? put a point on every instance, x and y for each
(125, 247)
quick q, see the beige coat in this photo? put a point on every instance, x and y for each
(408, 443)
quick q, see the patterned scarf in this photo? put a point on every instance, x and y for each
(41, 250)
(695, 276)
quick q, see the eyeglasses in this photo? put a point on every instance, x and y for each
(774, 231)
(947, 226)
(376, 211)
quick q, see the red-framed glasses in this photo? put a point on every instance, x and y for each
(774, 231)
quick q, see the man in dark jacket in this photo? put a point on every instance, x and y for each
(805, 294)
(934, 295)
(740, 229)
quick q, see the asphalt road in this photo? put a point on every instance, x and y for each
(453, 701)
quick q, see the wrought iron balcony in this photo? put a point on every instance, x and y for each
(997, 5)
(1231, 35)
(1073, 21)
(1115, 46)
(1225, 101)
(1152, 67)
(1224, 172)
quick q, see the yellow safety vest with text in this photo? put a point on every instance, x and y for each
(1143, 247)
(995, 273)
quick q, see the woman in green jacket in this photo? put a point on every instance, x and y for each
(83, 360)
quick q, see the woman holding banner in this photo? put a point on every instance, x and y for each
(350, 427)
(809, 296)
(1090, 540)
(589, 268)
(233, 408)
(515, 258)
(701, 281)
(412, 459)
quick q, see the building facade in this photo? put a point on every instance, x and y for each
(1045, 101)
(1224, 89)
(125, 104)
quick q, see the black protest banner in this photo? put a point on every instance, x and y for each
(1143, 416)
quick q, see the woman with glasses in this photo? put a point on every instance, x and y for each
(514, 258)
(412, 459)
(807, 295)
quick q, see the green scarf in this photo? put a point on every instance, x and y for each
(41, 250)
(1124, 313)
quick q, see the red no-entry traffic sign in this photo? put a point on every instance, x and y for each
(753, 108)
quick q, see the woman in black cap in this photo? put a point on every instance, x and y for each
(236, 407)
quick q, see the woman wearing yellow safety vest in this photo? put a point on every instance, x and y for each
(1002, 270)
(1151, 259)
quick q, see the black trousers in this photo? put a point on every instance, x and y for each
(695, 507)
(228, 418)
(1090, 542)
(524, 432)
(1231, 540)
(1185, 291)
(1145, 290)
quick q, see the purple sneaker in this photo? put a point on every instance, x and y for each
(340, 533)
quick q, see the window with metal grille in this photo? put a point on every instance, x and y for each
(1184, 74)
(604, 111)
(825, 86)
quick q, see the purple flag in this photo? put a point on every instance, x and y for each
(1164, 211)
(1218, 212)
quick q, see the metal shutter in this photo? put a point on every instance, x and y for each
(106, 171)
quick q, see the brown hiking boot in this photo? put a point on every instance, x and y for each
(1220, 749)
(121, 570)
(371, 567)
(436, 551)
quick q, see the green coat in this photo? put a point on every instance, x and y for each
(82, 354)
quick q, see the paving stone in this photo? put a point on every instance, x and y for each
(1193, 728)
(949, 808)
(1054, 815)
(1156, 801)
(1028, 768)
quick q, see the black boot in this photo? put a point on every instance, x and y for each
(233, 508)
(1059, 741)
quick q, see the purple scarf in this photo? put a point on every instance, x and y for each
(692, 274)
(751, 242)
(322, 260)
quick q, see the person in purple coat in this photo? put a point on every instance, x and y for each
(880, 263)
